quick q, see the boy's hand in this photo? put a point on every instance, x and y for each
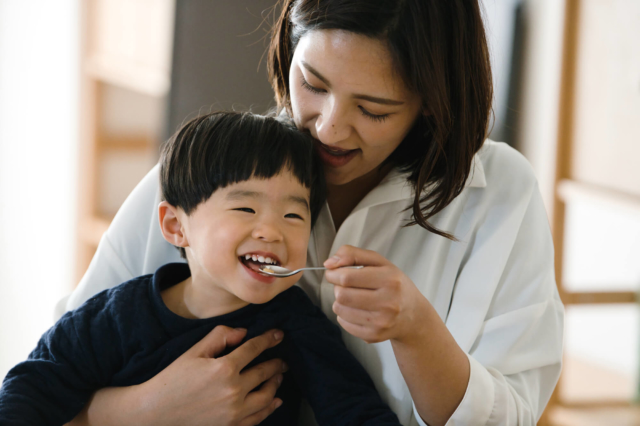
(198, 388)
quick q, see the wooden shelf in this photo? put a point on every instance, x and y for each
(92, 229)
(127, 74)
(131, 143)
(598, 297)
(570, 190)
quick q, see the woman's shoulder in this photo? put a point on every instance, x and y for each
(506, 171)
(145, 195)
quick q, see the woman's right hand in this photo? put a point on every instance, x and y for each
(198, 388)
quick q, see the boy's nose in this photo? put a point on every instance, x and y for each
(267, 232)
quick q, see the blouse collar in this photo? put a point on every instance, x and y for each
(395, 186)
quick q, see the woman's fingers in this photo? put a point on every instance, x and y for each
(350, 255)
(370, 277)
(217, 340)
(261, 402)
(365, 333)
(262, 372)
(249, 350)
(358, 298)
(258, 417)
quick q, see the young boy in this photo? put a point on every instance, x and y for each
(240, 190)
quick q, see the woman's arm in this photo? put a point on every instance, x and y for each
(197, 388)
(381, 303)
(510, 364)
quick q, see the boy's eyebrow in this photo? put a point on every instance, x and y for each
(239, 193)
(299, 200)
(374, 99)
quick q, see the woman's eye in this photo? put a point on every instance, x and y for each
(245, 209)
(293, 216)
(310, 87)
(375, 117)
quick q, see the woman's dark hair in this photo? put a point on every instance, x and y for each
(222, 148)
(440, 50)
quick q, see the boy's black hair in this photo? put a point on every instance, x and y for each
(222, 148)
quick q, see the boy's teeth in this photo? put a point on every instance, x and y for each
(261, 259)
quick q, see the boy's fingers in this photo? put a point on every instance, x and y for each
(249, 350)
(217, 340)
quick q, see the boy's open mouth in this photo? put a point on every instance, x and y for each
(254, 261)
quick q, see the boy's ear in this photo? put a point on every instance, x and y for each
(171, 226)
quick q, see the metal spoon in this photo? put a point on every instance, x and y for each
(280, 272)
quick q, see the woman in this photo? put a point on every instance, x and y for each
(456, 318)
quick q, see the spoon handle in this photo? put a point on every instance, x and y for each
(322, 268)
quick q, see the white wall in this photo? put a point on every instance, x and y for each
(39, 51)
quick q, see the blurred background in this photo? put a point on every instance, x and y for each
(90, 88)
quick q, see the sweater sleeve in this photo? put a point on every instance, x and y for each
(72, 359)
(338, 388)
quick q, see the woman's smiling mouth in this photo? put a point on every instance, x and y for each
(335, 157)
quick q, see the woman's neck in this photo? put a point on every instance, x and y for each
(342, 199)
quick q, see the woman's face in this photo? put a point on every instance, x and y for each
(346, 93)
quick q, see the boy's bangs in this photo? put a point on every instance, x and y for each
(259, 148)
(221, 149)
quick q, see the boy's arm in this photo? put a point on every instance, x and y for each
(337, 387)
(71, 361)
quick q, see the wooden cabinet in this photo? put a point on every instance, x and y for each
(126, 69)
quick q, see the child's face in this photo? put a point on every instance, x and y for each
(269, 219)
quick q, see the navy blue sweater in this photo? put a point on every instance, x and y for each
(126, 335)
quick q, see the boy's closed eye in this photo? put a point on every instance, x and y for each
(293, 216)
(245, 209)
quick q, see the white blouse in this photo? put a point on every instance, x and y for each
(494, 288)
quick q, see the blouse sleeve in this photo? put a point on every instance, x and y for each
(515, 354)
(132, 246)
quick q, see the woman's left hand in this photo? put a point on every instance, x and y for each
(376, 303)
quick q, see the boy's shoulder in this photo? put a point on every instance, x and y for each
(117, 301)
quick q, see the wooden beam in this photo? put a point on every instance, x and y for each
(603, 297)
(569, 190)
(592, 404)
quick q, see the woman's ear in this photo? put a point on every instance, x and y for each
(171, 226)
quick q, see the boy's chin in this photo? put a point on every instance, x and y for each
(261, 297)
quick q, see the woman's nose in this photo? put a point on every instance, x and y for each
(268, 232)
(332, 125)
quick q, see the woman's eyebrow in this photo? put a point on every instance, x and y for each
(374, 99)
